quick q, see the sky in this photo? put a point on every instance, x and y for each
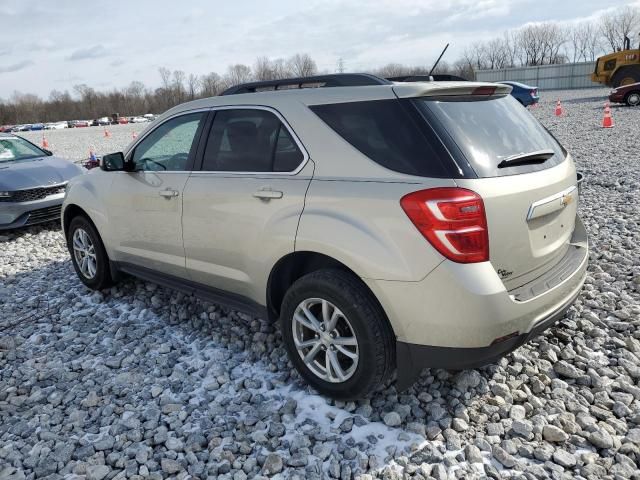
(57, 44)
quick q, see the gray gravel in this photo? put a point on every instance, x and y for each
(143, 382)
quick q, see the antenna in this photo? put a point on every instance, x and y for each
(438, 61)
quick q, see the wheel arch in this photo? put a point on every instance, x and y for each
(72, 211)
(295, 265)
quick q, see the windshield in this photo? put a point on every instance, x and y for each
(489, 130)
(16, 148)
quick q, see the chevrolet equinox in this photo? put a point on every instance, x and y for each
(389, 226)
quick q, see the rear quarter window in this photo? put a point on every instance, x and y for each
(392, 134)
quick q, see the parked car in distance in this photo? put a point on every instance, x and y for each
(6, 128)
(377, 243)
(21, 128)
(82, 123)
(32, 182)
(56, 125)
(123, 120)
(37, 126)
(103, 121)
(138, 120)
(629, 94)
(525, 94)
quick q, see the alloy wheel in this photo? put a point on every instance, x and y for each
(325, 340)
(84, 253)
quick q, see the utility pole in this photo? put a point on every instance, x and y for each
(340, 65)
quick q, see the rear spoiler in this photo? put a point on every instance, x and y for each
(446, 89)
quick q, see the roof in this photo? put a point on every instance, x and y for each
(337, 94)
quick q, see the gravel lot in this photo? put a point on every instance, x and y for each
(143, 382)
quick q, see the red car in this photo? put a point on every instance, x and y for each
(629, 94)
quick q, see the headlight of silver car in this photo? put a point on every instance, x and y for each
(5, 194)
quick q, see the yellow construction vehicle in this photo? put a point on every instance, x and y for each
(618, 68)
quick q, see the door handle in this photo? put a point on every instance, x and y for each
(169, 193)
(267, 194)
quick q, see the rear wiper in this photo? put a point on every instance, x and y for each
(539, 156)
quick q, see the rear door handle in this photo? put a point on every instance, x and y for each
(267, 194)
(169, 193)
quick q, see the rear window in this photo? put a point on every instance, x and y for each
(391, 133)
(487, 131)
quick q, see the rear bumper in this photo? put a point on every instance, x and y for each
(461, 316)
(16, 215)
(412, 359)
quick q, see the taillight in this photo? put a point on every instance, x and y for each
(453, 220)
(483, 90)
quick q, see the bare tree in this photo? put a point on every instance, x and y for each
(585, 41)
(193, 84)
(541, 43)
(392, 70)
(302, 65)
(211, 84)
(262, 69)
(177, 86)
(237, 74)
(617, 25)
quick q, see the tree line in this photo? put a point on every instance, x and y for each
(545, 43)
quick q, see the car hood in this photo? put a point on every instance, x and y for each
(36, 172)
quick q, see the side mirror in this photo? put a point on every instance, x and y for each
(114, 162)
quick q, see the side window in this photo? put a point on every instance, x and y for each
(250, 140)
(167, 148)
(388, 134)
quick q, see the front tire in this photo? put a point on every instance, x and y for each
(337, 335)
(89, 258)
(626, 76)
(633, 99)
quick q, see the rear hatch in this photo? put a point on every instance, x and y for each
(524, 176)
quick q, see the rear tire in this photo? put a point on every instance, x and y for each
(363, 355)
(632, 99)
(626, 76)
(88, 255)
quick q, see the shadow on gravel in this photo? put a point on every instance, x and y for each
(10, 235)
(602, 98)
(213, 378)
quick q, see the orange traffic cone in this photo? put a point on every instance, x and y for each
(134, 135)
(107, 134)
(559, 110)
(45, 142)
(607, 120)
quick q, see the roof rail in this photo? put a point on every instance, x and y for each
(334, 80)
(427, 78)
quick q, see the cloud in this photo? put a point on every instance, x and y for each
(97, 51)
(16, 66)
(117, 62)
(42, 44)
(5, 51)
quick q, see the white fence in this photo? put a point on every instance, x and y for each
(545, 77)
